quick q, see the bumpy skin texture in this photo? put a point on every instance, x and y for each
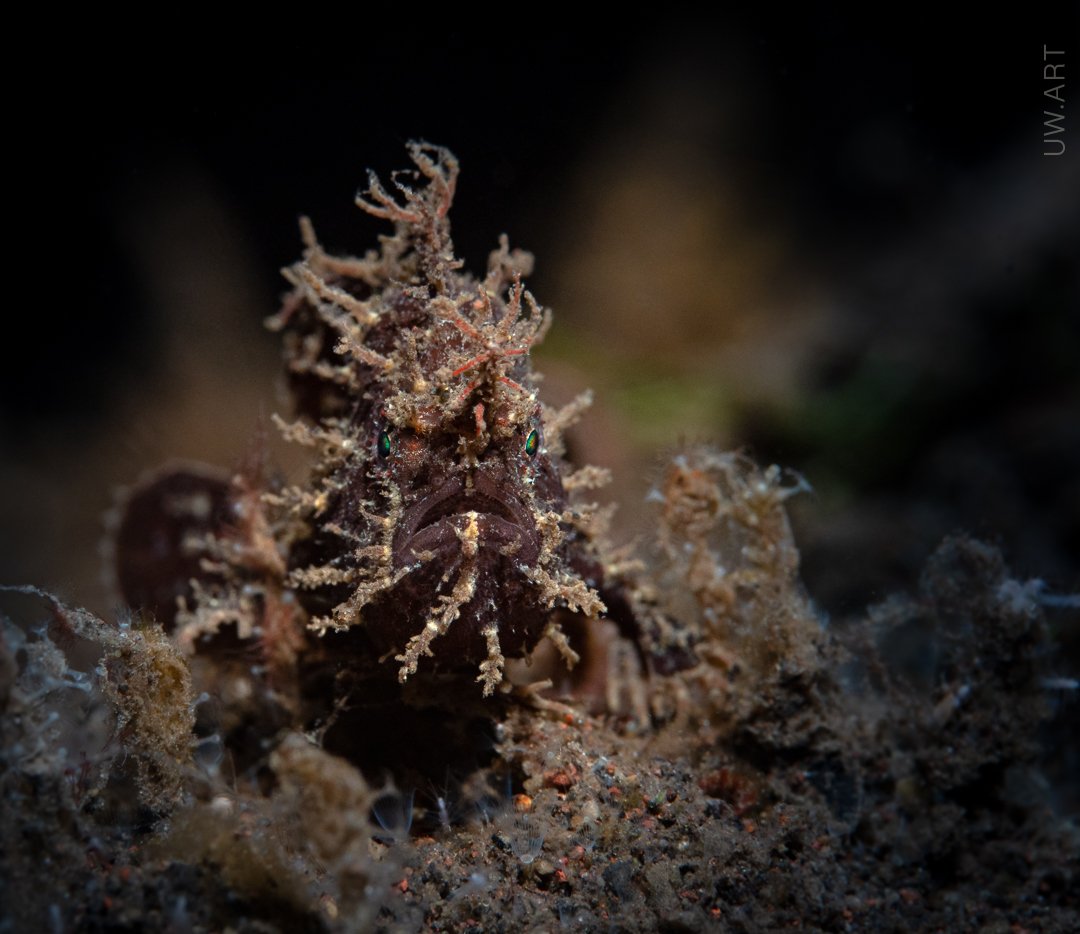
(438, 517)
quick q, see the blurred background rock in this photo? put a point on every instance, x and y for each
(833, 241)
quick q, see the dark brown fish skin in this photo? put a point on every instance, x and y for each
(155, 534)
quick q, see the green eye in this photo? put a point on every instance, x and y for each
(383, 444)
(532, 443)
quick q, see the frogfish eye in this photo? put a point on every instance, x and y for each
(532, 443)
(383, 444)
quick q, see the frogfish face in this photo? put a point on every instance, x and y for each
(473, 515)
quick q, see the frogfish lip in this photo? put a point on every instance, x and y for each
(437, 521)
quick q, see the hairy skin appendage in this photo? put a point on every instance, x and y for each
(440, 516)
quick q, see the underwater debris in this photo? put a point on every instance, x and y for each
(131, 703)
(95, 743)
(726, 541)
(724, 594)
